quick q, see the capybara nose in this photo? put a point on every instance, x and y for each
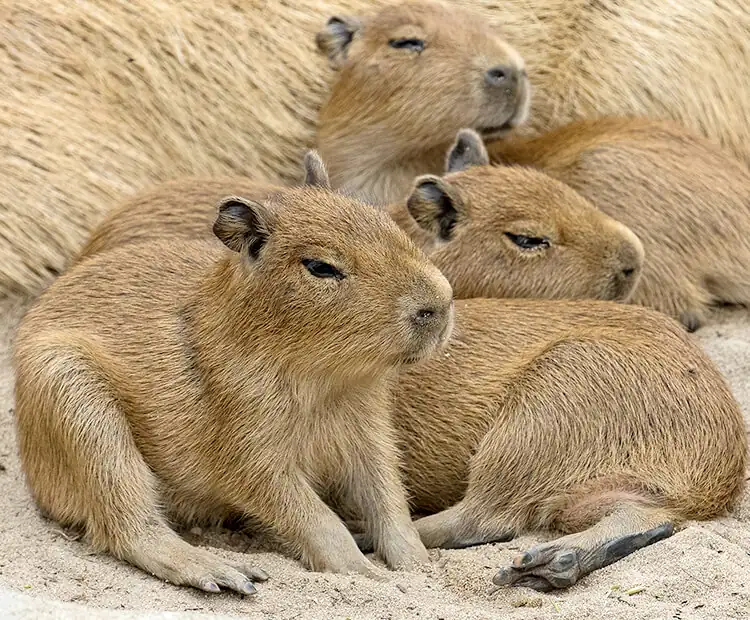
(425, 315)
(501, 75)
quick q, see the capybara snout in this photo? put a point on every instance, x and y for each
(429, 314)
(628, 257)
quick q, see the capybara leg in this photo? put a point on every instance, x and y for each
(380, 497)
(562, 562)
(161, 552)
(455, 528)
(294, 511)
(84, 467)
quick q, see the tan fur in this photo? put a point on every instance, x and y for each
(470, 223)
(601, 420)
(594, 390)
(373, 138)
(391, 113)
(587, 254)
(684, 197)
(219, 384)
(102, 98)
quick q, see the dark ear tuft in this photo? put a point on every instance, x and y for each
(315, 170)
(242, 224)
(335, 38)
(435, 205)
(468, 150)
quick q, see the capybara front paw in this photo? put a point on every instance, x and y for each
(344, 563)
(404, 550)
(200, 569)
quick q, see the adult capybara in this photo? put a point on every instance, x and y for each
(103, 97)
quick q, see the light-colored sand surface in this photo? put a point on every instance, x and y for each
(703, 571)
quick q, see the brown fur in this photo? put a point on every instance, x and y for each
(601, 420)
(685, 198)
(464, 222)
(373, 139)
(391, 113)
(220, 384)
(102, 98)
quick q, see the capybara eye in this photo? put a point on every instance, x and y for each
(321, 269)
(414, 45)
(528, 243)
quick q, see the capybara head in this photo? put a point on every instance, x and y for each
(341, 272)
(418, 72)
(515, 232)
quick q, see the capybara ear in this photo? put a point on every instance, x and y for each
(435, 205)
(468, 150)
(242, 225)
(315, 170)
(335, 38)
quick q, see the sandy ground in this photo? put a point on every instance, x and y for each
(703, 571)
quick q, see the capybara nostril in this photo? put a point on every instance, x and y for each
(628, 272)
(424, 316)
(501, 75)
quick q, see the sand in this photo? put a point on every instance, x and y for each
(703, 571)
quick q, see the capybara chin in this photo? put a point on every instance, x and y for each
(492, 231)
(180, 380)
(605, 421)
(104, 98)
(686, 199)
(445, 53)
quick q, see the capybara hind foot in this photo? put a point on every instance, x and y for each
(174, 560)
(560, 564)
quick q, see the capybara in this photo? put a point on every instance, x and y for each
(604, 421)
(105, 97)
(685, 198)
(372, 132)
(410, 77)
(492, 231)
(181, 380)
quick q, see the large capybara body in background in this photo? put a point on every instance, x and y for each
(105, 97)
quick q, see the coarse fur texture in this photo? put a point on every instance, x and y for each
(492, 231)
(685, 198)
(391, 112)
(601, 420)
(447, 55)
(513, 232)
(178, 380)
(103, 98)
